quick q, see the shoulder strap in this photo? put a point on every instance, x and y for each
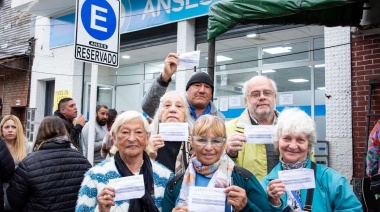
(310, 192)
(242, 172)
(174, 181)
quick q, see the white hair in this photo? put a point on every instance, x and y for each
(294, 120)
(157, 116)
(274, 85)
(124, 118)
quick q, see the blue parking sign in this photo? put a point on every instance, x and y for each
(97, 31)
(102, 22)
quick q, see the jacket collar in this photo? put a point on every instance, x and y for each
(245, 119)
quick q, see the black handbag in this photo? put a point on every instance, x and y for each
(375, 184)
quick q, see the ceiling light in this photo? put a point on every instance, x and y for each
(278, 50)
(126, 57)
(251, 35)
(104, 88)
(321, 88)
(268, 71)
(221, 58)
(298, 80)
(319, 65)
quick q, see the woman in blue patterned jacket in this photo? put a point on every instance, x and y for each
(130, 133)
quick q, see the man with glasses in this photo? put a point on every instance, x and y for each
(199, 90)
(259, 98)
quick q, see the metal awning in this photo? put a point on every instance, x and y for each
(226, 14)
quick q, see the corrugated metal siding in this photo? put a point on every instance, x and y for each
(15, 27)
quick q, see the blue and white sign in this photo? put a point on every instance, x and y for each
(140, 14)
(135, 15)
(97, 36)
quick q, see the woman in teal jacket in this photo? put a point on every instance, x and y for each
(293, 137)
(212, 168)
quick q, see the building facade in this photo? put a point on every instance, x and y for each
(311, 65)
(16, 57)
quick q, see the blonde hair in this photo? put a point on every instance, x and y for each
(208, 122)
(18, 151)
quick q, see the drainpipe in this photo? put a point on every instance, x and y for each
(30, 53)
(2, 95)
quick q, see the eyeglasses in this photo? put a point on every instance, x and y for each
(257, 94)
(203, 141)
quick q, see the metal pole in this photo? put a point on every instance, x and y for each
(211, 59)
(91, 132)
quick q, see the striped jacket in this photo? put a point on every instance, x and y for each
(98, 176)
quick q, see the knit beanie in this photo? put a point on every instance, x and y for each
(200, 77)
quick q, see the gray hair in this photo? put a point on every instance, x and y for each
(126, 117)
(157, 116)
(274, 85)
(295, 121)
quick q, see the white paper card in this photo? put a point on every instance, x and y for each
(206, 199)
(131, 187)
(174, 131)
(296, 179)
(258, 134)
(189, 59)
(223, 103)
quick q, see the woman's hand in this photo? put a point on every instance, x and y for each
(275, 190)
(180, 209)
(105, 199)
(236, 197)
(155, 142)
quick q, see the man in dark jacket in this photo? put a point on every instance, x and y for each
(67, 110)
(199, 91)
(7, 168)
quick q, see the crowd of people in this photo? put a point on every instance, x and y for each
(138, 166)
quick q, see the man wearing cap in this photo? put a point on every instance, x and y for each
(199, 90)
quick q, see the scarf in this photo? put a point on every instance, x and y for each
(294, 197)
(300, 164)
(219, 172)
(146, 202)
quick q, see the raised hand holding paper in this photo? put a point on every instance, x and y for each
(189, 59)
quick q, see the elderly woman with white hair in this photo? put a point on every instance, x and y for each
(293, 136)
(174, 155)
(130, 133)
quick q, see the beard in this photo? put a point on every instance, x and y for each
(101, 122)
(266, 113)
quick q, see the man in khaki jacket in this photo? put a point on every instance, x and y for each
(260, 95)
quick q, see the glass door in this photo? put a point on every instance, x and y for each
(105, 96)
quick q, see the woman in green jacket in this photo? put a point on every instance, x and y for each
(212, 168)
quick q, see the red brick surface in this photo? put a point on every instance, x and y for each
(365, 66)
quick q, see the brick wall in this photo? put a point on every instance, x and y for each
(365, 54)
